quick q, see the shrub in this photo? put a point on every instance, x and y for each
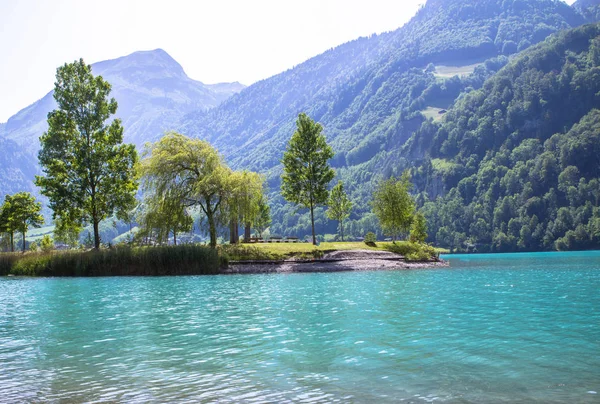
(47, 244)
(370, 239)
(413, 251)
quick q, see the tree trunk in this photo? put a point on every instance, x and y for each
(312, 221)
(12, 241)
(174, 237)
(247, 234)
(24, 243)
(212, 227)
(342, 229)
(233, 232)
(96, 234)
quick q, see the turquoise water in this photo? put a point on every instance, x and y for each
(493, 328)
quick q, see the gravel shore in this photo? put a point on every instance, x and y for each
(337, 261)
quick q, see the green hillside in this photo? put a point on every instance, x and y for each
(522, 154)
(373, 93)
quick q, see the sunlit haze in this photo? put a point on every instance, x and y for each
(224, 41)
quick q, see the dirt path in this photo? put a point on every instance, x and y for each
(337, 261)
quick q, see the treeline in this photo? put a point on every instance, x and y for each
(90, 176)
(498, 176)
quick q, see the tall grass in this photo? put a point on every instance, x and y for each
(7, 260)
(143, 261)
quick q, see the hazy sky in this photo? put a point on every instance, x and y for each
(215, 41)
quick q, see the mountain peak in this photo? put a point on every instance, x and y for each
(157, 62)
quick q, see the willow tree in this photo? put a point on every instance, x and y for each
(306, 171)
(245, 193)
(339, 206)
(164, 215)
(89, 172)
(393, 205)
(263, 219)
(190, 171)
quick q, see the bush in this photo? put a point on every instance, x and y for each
(370, 239)
(413, 251)
(47, 244)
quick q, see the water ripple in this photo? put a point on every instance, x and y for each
(491, 329)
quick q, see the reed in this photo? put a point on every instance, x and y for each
(123, 261)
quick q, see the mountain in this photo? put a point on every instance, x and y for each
(590, 9)
(153, 93)
(373, 93)
(515, 166)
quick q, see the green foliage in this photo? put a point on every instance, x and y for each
(263, 219)
(142, 261)
(190, 171)
(8, 222)
(67, 232)
(33, 247)
(368, 95)
(162, 215)
(306, 171)
(370, 239)
(523, 153)
(418, 229)
(46, 243)
(393, 205)
(242, 202)
(413, 251)
(19, 213)
(89, 172)
(339, 206)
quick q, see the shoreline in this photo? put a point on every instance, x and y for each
(338, 261)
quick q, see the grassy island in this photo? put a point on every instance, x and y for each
(186, 259)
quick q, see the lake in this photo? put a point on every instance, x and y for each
(492, 328)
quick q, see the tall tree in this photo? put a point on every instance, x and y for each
(306, 171)
(393, 205)
(418, 229)
(263, 219)
(89, 172)
(339, 206)
(25, 212)
(7, 221)
(246, 190)
(188, 170)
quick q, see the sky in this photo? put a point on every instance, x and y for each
(215, 41)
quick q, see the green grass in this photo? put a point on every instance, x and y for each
(446, 72)
(442, 165)
(433, 113)
(37, 234)
(280, 251)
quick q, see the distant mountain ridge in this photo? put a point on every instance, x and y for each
(153, 93)
(371, 94)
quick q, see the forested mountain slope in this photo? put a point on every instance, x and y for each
(590, 9)
(373, 93)
(518, 161)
